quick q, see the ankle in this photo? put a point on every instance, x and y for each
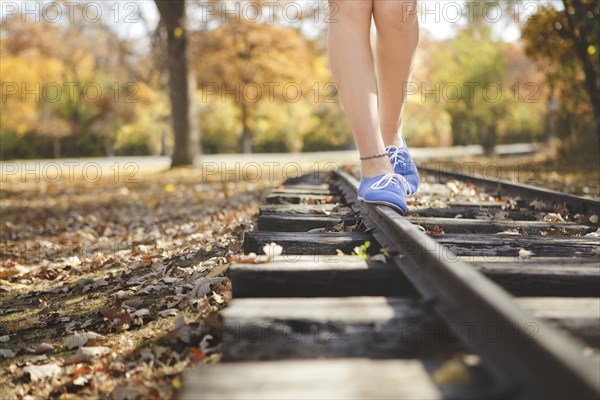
(376, 166)
(394, 140)
(393, 136)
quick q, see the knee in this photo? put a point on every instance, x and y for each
(350, 10)
(399, 15)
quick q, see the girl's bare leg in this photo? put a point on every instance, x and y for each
(397, 38)
(351, 61)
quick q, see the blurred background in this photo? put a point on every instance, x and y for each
(91, 79)
(99, 100)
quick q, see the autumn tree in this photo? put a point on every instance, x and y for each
(566, 44)
(75, 85)
(250, 63)
(584, 31)
(469, 71)
(182, 84)
(23, 48)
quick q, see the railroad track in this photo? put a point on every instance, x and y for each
(486, 289)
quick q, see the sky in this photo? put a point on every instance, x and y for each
(438, 18)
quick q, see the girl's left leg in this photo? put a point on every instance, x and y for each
(397, 38)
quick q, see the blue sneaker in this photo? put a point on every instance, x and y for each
(403, 164)
(385, 189)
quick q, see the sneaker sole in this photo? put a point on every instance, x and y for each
(385, 203)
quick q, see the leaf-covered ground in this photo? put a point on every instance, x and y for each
(112, 289)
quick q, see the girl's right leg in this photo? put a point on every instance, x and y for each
(351, 62)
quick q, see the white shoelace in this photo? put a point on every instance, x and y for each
(393, 179)
(396, 156)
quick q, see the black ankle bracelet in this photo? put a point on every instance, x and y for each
(371, 157)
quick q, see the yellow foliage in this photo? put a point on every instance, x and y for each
(262, 71)
(27, 82)
(219, 122)
(282, 126)
(143, 135)
(16, 115)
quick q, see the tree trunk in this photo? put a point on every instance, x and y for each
(163, 142)
(194, 119)
(56, 147)
(247, 142)
(581, 48)
(182, 86)
(487, 139)
(108, 147)
(457, 134)
(246, 133)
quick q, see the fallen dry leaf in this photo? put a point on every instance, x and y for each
(202, 286)
(250, 258)
(436, 230)
(538, 205)
(525, 254)
(452, 372)
(40, 372)
(272, 250)
(7, 353)
(553, 217)
(378, 257)
(170, 312)
(140, 313)
(118, 317)
(133, 302)
(181, 331)
(7, 273)
(218, 298)
(594, 234)
(87, 354)
(510, 232)
(42, 348)
(555, 231)
(81, 339)
(129, 391)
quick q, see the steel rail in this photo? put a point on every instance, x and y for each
(527, 357)
(503, 187)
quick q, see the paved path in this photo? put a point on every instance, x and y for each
(122, 168)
